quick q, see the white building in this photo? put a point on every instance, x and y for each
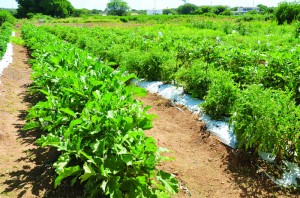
(246, 9)
(154, 12)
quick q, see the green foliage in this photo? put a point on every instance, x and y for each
(226, 12)
(17, 41)
(267, 120)
(81, 12)
(88, 114)
(297, 30)
(213, 10)
(214, 59)
(211, 58)
(6, 16)
(262, 8)
(5, 33)
(221, 95)
(54, 8)
(204, 10)
(146, 65)
(196, 80)
(220, 9)
(187, 8)
(282, 72)
(118, 7)
(287, 12)
(169, 11)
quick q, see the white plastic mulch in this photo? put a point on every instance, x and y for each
(219, 128)
(177, 95)
(8, 56)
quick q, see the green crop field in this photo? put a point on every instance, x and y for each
(246, 68)
(248, 71)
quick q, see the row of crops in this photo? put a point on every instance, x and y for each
(87, 111)
(246, 71)
(5, 32)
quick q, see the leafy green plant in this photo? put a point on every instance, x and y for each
(89, 115)
(146, 65)
(297, 30)
(196, 80)
(212, 59)
(267, 120)
(287, 12)
(221, 95)
(6, 16)
(5, 32)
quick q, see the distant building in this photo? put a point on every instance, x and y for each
(154, 12)
(246, 9)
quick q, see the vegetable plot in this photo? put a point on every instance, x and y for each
(254, 82)
(87, 112)
(5, 32)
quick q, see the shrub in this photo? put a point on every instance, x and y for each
(6, 16)
(287, 12)
(187, 8)
(196, 79)
(267, 120)
(146, 65)
(221, 95)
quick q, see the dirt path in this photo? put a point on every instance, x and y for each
(204, 166)
(13, 145)
(25, 168)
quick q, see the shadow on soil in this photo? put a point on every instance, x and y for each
(41, 175)
(250, 178)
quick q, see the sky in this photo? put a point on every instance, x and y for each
(158, 4)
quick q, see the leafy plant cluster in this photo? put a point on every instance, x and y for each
(288, 12)
(5, 33)
(87, 112)
(54, 8)
(220, 63)
(268, 120)
(6, 16)
(164, 52)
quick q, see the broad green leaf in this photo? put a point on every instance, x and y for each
(68, 111)
(31, 125)
(168, 181)
(66, 172)
(88, 172)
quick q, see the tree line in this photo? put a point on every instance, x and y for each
(284, 12)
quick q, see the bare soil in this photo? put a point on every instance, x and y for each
(25, 168)
(204, 166)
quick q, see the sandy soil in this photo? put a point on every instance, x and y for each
(25, 169)
(204, 166)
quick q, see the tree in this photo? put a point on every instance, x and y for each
(81, 12)
(117, 7)
(54, 8)
(220, 9)
(95, 11)
(262, 8)
(6, 16)
(287, 12)
(205, 10)
(169, 11)
(234, 9)
(187, 8)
